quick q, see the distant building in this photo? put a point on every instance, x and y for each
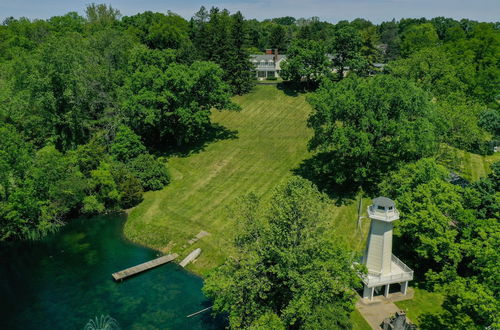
(267, 65)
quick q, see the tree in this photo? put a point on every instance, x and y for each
(170, 103)
(239, 69)
(51, 188)
(470, 305)
(364, 128)
(345, 47)
(409, 176)
(103, 189)
(126, 144)
(431, 217)
(449, 80)
(443, 25)
(157, 30)
(432, 70)
(129, 186)
(223, 38)
(151, 172)
(460, 125)
(101, 16)
(390, 38)
(306, 61)
(171, 31)
(417, 37)
(490, 121)
(286, 271)
(369, 49)
(451, 234)
(277, 37)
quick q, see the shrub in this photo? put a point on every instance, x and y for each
(150, 171)
(126, 144)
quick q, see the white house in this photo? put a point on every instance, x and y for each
(267, 65)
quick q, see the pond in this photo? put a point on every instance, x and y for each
(64, 280)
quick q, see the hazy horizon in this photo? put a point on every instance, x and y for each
(327, 10)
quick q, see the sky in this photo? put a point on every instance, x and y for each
(328, 10)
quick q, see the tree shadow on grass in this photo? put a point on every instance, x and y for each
(312, 169)
(214, 133)
(295, 89)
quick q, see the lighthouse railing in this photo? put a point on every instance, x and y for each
(401, 264)
(373, 212)
(376, 278)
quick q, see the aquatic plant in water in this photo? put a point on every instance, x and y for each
(103, 322)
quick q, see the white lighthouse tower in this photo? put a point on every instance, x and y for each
(384, 268)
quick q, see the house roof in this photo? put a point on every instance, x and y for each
(266, 57)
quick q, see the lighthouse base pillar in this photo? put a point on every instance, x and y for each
(368, 292)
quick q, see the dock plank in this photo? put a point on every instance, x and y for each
(121, 275)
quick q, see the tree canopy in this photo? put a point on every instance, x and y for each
(364, 128)
(285, 273)
(306, 61)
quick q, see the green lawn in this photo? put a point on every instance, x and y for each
(358, 322)
(271, 141)
(470, 166)
(423, 302)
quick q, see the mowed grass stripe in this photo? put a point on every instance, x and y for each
(271, 141)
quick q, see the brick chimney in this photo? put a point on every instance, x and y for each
(269, 51)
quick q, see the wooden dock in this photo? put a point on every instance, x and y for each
(121, 275)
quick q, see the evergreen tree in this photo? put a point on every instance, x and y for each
(240, 69)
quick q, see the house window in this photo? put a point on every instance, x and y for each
(270, 74)
(261, 74)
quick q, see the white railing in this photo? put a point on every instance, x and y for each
(401, 264)
(376, 278)
(387, 215)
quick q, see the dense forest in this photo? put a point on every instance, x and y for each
(92, 106)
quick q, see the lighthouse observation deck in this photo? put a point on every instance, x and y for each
(400, 272)
(383, 209)
(374, 212)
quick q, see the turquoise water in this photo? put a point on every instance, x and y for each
(64, 280)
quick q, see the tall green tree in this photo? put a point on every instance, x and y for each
(306, 61)
(240, 70)
(101, 16)
(345, 47)
(278, 38)
(223, 38)
(167, 102)
(363, 128)
(286, 271)
(417, 37)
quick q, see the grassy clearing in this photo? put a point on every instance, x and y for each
(423, 302)
(358, 322)
(271, 141)
(468, 165)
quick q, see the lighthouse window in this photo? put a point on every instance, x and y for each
(390, 208)
(380, 208)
